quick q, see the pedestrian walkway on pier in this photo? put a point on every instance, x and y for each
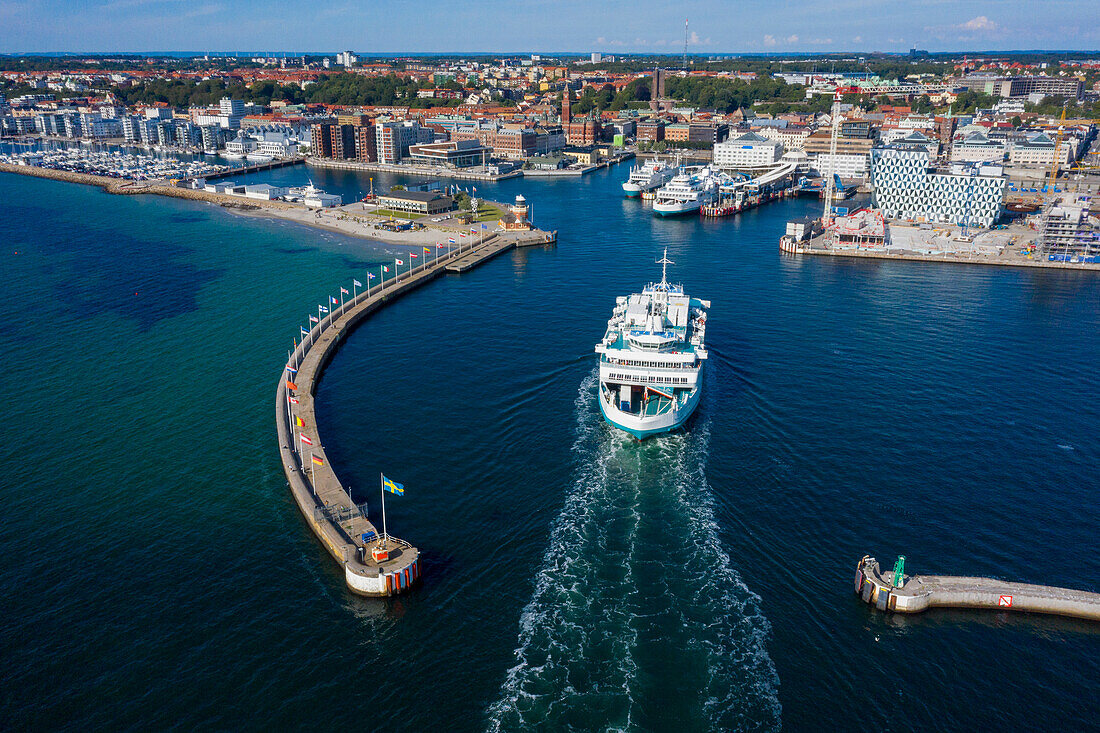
(895, 591)
(374, 564)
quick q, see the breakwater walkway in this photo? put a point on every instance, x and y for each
(373, 565)
(913, 594)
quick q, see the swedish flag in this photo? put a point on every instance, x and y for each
(392, 486)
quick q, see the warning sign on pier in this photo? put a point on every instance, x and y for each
(1005, 601)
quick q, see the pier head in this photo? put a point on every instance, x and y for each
(895, 591)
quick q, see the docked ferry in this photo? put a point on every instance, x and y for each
(651, 358)
(648, 177)
(688, 192)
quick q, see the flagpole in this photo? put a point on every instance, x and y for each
(354, 291)
(385, 534)
(289, 418)
(312, 474)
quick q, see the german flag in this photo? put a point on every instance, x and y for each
(318, 461)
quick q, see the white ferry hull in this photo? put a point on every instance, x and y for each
(676, 208)
(632, 190)
(645, 427)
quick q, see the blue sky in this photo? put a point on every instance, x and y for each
(638, 26)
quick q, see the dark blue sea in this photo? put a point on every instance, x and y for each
(158, 575)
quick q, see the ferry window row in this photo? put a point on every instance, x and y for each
(650, 364)
(653, 380)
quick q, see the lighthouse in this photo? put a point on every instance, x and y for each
(516, 218)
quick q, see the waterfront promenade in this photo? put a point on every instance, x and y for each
(373, 565)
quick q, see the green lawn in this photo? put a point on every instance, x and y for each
(487, 212)
(395, 214)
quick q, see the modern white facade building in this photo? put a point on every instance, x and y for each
(907, 187)
(849, 166)
(747, 151)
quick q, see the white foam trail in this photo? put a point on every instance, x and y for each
(742, 690)
(568, 612)
(592, 618)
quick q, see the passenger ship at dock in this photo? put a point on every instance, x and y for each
(688, 192)
(648, 177)
(651, 358)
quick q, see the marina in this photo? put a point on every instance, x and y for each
(115, 164)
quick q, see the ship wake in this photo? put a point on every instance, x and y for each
(638, 620)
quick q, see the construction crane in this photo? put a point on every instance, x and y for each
(827, 216)
(1057, 151)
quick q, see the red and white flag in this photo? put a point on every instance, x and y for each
(400, 262)
(306, 440)
(293, 400)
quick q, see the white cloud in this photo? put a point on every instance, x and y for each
(979, 23)
(791, 38)
(769, 40)
(695, 40)
(857, 39)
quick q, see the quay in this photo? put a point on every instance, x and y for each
(255, 168)
(462, 173)
(412, 170)
(1007, 258)
(372, 565)
(492, 246)
(900, 593)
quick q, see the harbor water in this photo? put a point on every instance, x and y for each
(157, 572)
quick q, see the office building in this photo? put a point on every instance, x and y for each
(976, 147)
(906, 186)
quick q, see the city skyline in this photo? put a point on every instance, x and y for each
(640, 27)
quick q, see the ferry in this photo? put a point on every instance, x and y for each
(651, 358)
(648, 177)
(688, 192)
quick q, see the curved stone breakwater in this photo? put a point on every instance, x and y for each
(916, 593)
(373, 565)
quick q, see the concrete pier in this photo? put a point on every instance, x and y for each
(916, 593)
(343, 526)
(255, 167)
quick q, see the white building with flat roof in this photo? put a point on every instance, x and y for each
(747, 151)
(976, 148)
(849, 166)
